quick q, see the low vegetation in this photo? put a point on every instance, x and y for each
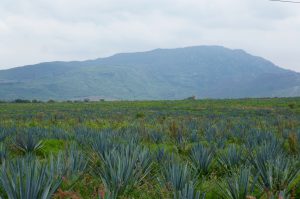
(189, 149)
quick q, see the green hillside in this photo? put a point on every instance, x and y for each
(202, 71)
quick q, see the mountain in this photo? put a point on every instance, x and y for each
(203, 71)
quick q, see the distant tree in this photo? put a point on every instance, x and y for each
(140, 115)
(36, 101)
(51, 101)
(292, 106)
(21, 101)
(191, 98)
(87, 100)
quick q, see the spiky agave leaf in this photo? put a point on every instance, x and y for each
(5, 132)
(231, 158)
(156, 137)
(102, 144)
(124, 168)
(177, 175)
(3, 153)
(201, 159)
(28, 179)
(70, 163)
(270, 150)
(160, 155)
(189, 192)
(237, 186)
(27, 143)
(193, 136)
(275, 175)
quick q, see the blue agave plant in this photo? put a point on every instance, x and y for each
(176, 176)
(275, 175)
(189, 192)
(156, 137)
(123, 168)
(70, 163)
(27, 143)
(238, 186)
(28, 179)
(3, 153)
(201, 159)
(231, 158)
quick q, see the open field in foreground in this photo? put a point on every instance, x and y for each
(190, 149)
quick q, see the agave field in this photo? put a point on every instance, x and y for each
(186, 149)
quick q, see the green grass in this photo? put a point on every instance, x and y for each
(52, 147)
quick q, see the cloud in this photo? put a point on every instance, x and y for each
(42, 30)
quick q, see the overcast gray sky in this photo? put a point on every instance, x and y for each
(33, 31)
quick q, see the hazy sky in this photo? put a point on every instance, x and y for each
(33, 31)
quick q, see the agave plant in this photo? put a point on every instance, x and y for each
(28, 179)
(176, 176)
(131, 134)
(260, 139)
(193, 136)
(101, 144)
(69, 164)
(270, 150)
(58, 133)
(201, 159)
(160, 155)
(180, 141)
(4, 132)
(156, 137)
(231, 159)
(210, 133)
(27, 143)
(123, 168)
(237, 186)
(189, 192)
(3, 153)
(275, 175)
(83, 136)
(220, 142)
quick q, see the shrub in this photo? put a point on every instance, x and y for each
(140, 115)
(21, 101)
(291, 106)
(51, 101)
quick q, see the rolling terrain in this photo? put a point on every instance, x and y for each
(201, 71)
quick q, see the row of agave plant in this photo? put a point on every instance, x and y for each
(243, 162)
(259, 166)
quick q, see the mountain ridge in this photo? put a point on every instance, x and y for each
(203, 71)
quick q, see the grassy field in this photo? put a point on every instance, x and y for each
(189, 149)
